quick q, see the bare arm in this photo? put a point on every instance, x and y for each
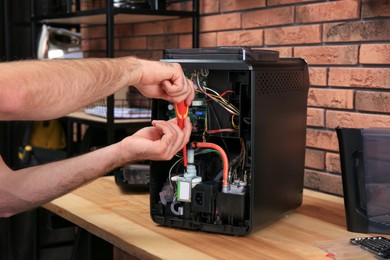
(40, 90)
(31, 187)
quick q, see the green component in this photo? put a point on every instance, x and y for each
(197, 112)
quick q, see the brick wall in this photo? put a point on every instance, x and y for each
(346, 43)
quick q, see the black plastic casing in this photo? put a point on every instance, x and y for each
(351, 150)
(277, 90)
(363, 215)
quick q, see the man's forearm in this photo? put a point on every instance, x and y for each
(51, 89)
(35, 186)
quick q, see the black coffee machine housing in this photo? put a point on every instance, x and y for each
(251, 104)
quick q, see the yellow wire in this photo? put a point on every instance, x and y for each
(233, 124)
(224, 102)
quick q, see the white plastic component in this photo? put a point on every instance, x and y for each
(184, 190)
(196, 180)
(238, 187)
(190, 156)
(191, 171)
(197, 103)
(185, 186)
(225, 189)
(181, 211)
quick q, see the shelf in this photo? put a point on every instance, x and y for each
(121, 15)
(109, 16)
(86, 117)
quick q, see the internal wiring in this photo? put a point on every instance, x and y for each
(214, 95)
(233, 123)
(219, 127)
(218, 131)
(242, 153)
(247, 120)
(170, 171)
(201, 151)
(197, 152)
(226, 92)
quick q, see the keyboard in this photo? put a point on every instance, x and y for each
(378, 245)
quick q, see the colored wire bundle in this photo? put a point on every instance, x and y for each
(214, 95)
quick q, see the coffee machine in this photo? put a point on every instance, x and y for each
(245, 158)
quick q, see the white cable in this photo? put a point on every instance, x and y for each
(170, 171)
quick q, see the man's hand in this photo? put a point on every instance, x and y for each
(166, 81)
(161, 141)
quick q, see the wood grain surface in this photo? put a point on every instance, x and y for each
(123, 220)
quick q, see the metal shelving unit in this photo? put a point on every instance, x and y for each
(110, 16)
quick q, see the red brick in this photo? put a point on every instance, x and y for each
(151, 28)
(208, 40)
(163, 42)
(322, 139)
(178, 26)
(209, 7)
(87, 5)
(332, 162)
(317, 76)
(97, 44)
(85, 46)
(332, 98)
(293, 35)
(373, 101)
(123, 30)
(185, 41)
(315, 159)
(360, 77)
(357, 31)
(240, 38)
(283, 51)
(325, 182)
(281, 2)
(123, 53)
(149, 55)
(234, 5)
(268, 17)
(378, 8)
(323, 55)
(220, 22)
(355, 120)
(329, 11)
(134, 43)
(94, 54)
(315, 117)
(375, 54)
(93, 32)
(182, 6)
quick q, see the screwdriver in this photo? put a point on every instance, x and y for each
(181, 114)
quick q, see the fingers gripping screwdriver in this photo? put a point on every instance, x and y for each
(181, 114)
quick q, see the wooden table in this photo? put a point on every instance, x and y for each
(123, 220)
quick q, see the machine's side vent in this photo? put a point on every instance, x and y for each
(279, 82)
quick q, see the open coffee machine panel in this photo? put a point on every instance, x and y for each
(243, 167)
